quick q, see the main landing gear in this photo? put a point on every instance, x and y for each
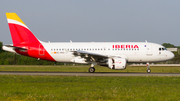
(148, 68)
(92, 69)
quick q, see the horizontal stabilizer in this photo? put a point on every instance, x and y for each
(12, 49)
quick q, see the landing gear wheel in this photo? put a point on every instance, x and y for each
(91, 70)
(148, 70)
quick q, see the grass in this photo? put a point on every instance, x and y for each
(48, 88)
(154, 69)
(73, 88)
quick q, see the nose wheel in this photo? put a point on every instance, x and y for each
(148, 70)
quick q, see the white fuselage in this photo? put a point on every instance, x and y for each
(132, 51)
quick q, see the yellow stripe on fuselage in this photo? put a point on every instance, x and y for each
(14, 16)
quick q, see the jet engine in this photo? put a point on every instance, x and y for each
(115, 63)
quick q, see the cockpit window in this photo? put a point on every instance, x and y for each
(159, 49)
(162, 49)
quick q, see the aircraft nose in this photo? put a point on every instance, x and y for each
(171, 55)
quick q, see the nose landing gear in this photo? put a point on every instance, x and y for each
(148, 68)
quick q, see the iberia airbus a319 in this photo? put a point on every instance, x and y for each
(114, 55)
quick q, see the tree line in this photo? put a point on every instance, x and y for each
(8, 58)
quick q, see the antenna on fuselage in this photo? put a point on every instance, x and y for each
(70, 41)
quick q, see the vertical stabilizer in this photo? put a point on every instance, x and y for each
(20, 33)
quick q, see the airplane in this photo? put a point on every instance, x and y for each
(114, 55)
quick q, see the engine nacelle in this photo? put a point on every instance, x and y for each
(117, 63)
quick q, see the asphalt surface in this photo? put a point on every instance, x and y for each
(88, 74)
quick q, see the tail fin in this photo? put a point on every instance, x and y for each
(20, 33)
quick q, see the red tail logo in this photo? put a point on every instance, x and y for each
(22, 37)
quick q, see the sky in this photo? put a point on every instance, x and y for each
(156, 21)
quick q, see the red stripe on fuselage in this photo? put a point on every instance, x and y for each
(24, 38)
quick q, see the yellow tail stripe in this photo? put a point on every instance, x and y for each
(14, 16)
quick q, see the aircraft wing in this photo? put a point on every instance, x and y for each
(90, 56)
